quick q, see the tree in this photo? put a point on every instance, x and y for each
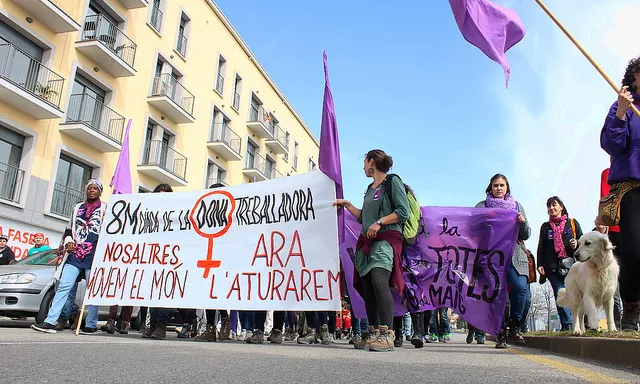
(542, 301)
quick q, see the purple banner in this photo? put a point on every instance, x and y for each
(460, 262)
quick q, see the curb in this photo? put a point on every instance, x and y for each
(620, 352)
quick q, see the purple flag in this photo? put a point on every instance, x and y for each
(329, 156)
(462, 264)
(347, 256)
(489, 26)
(121, 181)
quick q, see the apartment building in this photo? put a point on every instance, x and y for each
(72, 74)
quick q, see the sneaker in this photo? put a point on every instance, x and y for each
(289, 335)
(469, 337)
(353, 339)
(247, 335)
(148, 331)
(309, 338)
(59, 327)
(480, 340)
(433, 338)
(408, 337)
(124, 329)
(242, 335)
(276, 337)
(44, 327)
(208, 335)
(417, 342)
(256, 338)
(225, 329)
(324, 335)
(384, 340)
(88, 331)
(446, 338)
(159, 333)
(109, 327)
(184, 332)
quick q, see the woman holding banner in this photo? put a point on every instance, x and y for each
(379, 245)
(499, 196)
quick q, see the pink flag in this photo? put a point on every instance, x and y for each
(492, 28)
(121, 181)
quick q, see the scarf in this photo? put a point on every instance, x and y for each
(89, 208)
(557, 225)
(507, 203)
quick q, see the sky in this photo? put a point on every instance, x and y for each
(405, 81)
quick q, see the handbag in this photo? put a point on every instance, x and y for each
(531, 261)
(609, 205)
(564, 265)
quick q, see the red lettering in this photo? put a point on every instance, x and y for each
(155, 252)
(235, 286)
(165, 254)
(108, 252)
(213, 282)
(138, 297)
(305, 284)
(121, 283)
(156, 283)
(127, 253)
(298, 253)
(174, 253)
(316, 286)
(111, 283)
(91, 285)
(335, 279)
(291, 286)
(249, 274)
(275, 252)
(266, 296)
(274, 286)
(264, 255)
(133, 285)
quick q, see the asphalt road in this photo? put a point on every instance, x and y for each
(31, 357)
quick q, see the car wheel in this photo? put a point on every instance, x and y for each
(44, 306)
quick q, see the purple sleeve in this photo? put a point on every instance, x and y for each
(613, 137)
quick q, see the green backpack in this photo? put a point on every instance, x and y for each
(412, 225)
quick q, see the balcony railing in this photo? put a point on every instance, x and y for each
(275, 174)
(215, 180)
(236, 101)
(181, 46)
(11, 179)
(256, 162)
(220, 83)
(156, 17)
(29, 74)
(258, 114)
(64, 199)
(161, 155)
(89, 111)
(167, 85)
(222, 133)
(279, 135)
(97, 27)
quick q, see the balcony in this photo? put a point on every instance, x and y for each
(156, 18)
(181, 45)
(259, 122)
(215, 180)
(278, 144)
(220, 84)
(64, 199)
(172, 99)
(11, 179)
(28, 85)
(164, 163)
(225, 142)
(93, 123)
(58, 15)
(133, 4)
(255, 168)
(109, 47)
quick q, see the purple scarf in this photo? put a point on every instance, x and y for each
(507, 203)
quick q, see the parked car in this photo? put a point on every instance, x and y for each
(27, 289)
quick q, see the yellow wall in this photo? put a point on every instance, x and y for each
(208, 37)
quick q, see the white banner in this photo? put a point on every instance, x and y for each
(271, 245)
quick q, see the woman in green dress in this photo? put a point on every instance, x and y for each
(378, 261)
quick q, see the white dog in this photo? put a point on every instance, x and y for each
(591, 282)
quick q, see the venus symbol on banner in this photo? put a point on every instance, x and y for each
(209, 213)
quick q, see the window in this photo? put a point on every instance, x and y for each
(287, 137)
(167, 82)
(295, 155)
(252, 152)
(215, 174)
(11, 176)
(312, 165)
(11, 36)
(237, 88)
(157, 146)
(220, 127)
(156, 15)
(142, 190)
(257, 111)
(87, 103)
(222, 67)
(69, 186)
(183, 32)
(270, 168)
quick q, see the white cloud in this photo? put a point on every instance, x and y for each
(558, 104)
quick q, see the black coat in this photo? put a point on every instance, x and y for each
(547, 256)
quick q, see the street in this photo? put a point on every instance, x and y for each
(45, 358)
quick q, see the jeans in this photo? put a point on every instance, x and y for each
(67, 281)
(247, 320)
(159, 316)
(527, 306)
(359, 325)
(442, 327)
(70, 306)
(557, 282)
(518, 289)
(407, 324)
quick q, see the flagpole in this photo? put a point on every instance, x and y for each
(585, 53)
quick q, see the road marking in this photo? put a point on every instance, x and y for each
(583, 373)
(66, 342)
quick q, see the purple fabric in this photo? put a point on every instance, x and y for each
(329, 156)
(121, 181)
(507, 203)
(347, 251)
(461, 265)
(621, 140)
(492, 28)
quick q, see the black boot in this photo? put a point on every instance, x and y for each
(417, 319)
(501, 342)
(514, 332)
(630, 316)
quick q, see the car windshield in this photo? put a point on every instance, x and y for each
(40, 258)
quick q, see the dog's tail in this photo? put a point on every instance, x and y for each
(562, 297)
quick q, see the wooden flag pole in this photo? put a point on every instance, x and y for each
(584, 52)
(80, 320)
